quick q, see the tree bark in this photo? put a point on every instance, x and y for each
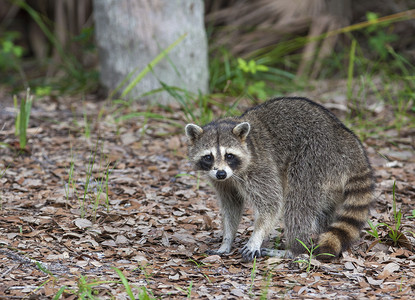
(131, 33)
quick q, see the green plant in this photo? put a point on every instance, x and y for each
(89, 175)
(87, 126)
(90, 288)
(374, 231)
(378, 35)
(125, 283)
(200, 265)
(196, 109)
(187, 291)
(103, 186)
(265, 289)
(87, 289)
(239, 76)
(22, 118)
(253, 273)
(311, 256)
(409, 217)
(10, 57)
(350, 70)
(45, 270)
(251, 66)
(107, 174)
(93, 188)
(60, 292)
(256, 88)
(394, 230)
(144, 292)
(42, 91)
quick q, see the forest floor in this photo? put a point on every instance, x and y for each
(88, 197)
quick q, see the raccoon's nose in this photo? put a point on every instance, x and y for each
(221, 174)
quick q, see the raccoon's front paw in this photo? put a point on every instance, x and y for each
(249, 254)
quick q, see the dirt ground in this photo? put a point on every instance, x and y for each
(59, 228)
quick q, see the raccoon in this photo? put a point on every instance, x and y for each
(291, 160)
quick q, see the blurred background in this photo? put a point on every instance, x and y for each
(255, 48)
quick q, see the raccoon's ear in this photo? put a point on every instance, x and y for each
(241, 130)
(193, 131)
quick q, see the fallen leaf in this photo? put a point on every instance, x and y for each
(388, 270)
(82, 223)
(372, 281)
(212, 259)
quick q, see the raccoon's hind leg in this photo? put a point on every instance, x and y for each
(231, 207)
(303, 219)
(308, 208)
(352, 215)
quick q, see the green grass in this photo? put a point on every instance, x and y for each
(393, 228)
(252, 78)
(145, 293)
(87, 288)
(350, 70)
(11, 58)
(94, 189)
(265, 289)
(200, 266)
(311, 256)
(22, 118)
(253, 274)
(373, 231)
(125, 283)
(187, 291)
(394, 232)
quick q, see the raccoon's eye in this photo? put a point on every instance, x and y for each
(207, 158)
(229, 156)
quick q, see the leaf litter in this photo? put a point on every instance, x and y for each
(137, 206)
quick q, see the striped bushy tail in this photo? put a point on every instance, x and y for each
(358, 196)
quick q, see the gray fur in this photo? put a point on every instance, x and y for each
(295, 161)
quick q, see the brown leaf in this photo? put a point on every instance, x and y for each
(372, 281)
(213, 259)
(388, 270)
(82, 223)
(120, 240)
(402, 253)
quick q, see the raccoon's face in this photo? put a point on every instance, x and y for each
(219, 148)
